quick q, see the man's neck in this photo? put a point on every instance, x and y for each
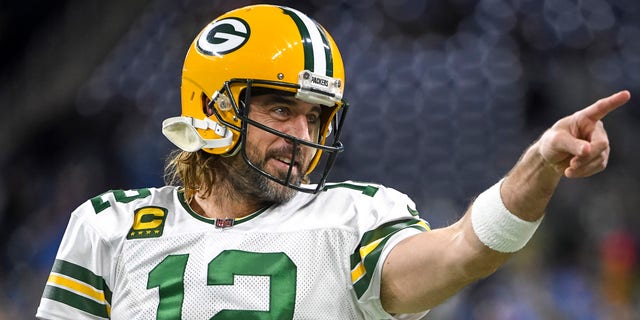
(218, 205)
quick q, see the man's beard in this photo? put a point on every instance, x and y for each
(254, 186)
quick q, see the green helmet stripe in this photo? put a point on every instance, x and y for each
(317, 53)
(327, 52)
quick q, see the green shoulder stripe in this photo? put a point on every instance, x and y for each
(389, 228)
(77, 301)
(363, 271)
(82, 274)
(366, 256)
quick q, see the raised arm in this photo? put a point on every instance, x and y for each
(424, 270)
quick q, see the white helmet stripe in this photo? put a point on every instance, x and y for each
(317, 42)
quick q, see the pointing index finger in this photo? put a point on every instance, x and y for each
(602, 107)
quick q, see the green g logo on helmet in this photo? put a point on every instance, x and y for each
(223, 36)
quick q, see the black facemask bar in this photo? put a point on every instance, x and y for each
(329, 152)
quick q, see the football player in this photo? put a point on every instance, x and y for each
(248, 226)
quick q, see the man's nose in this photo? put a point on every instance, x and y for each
(298, 127)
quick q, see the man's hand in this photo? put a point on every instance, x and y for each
(577, 145)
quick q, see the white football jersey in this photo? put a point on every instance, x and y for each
(144, 254)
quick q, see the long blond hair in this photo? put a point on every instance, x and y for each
(192, 170)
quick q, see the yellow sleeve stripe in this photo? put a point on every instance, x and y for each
(77, 286)
(365, 258)
(423, 224)
(364, 251)
(357, 272)
(359, 269)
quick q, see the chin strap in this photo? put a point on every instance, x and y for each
(182, 132)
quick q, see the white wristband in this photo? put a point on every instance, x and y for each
(498, 228)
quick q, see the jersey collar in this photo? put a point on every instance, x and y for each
(219, 222)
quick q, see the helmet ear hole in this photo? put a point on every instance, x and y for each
(206, 108)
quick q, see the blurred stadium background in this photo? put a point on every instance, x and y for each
(445, 95)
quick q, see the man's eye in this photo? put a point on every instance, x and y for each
(313, 118)
(281, 111)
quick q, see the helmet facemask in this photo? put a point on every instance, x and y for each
(326, 145)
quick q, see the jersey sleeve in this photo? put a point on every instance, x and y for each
(76, 287)
(393, 218)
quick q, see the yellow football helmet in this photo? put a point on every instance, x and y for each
(259, 46)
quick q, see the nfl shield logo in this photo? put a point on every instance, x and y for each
(224, 223)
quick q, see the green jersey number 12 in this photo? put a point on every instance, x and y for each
(168, 277)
